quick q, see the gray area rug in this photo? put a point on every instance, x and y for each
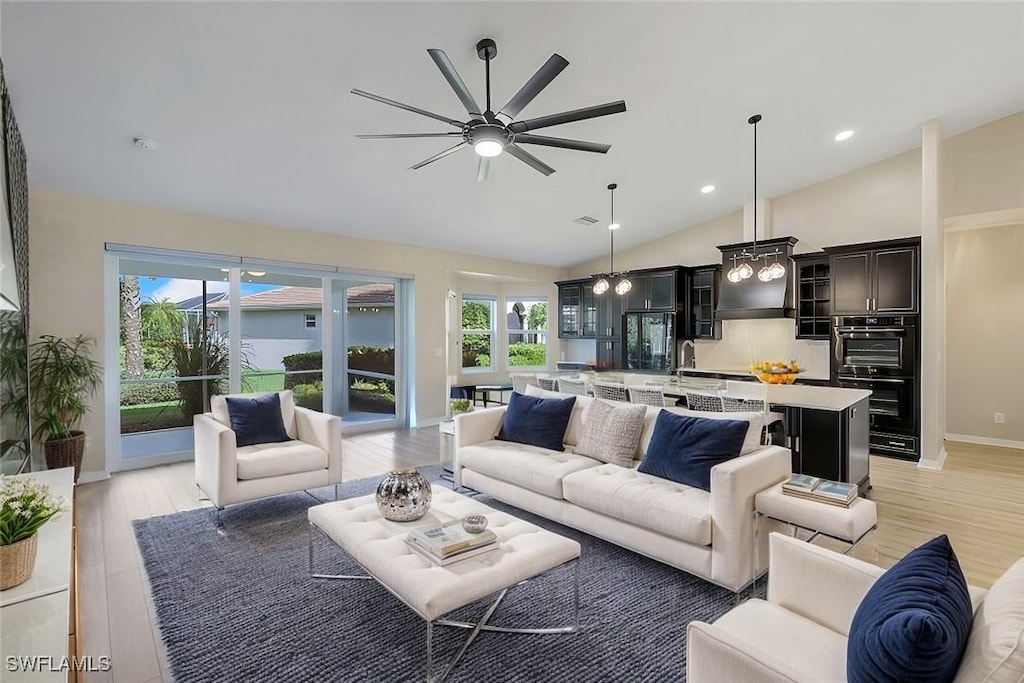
(241, 607)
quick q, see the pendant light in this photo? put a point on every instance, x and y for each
(602, 285)
(744, 270)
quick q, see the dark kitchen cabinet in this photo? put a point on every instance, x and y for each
(813, 296)
(609, 315)
(582, 314)
(570, 310)
(879, 278)
(702, 296)
(653, 291)
(609, 354)
(830, 444)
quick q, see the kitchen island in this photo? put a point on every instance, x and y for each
(826, 428)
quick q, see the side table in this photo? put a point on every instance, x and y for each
(446, 432)
(848, 524)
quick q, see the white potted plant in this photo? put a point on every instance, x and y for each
(25, 506)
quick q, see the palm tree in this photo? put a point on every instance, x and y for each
(161, 320)
(131, 326)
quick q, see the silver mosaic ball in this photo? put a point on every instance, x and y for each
(403, 496)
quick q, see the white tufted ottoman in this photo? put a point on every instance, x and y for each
(524, 551)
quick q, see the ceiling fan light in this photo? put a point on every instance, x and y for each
(601, 286)
(623, 286)
(488, 148)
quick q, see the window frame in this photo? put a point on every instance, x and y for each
(532, 299)
(492, 333)
(306, 319)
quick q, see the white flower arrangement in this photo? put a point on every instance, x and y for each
(25, 505)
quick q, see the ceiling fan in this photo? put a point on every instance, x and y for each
(490, 133)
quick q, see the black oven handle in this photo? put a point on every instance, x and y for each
(844, 329)
(847, 378)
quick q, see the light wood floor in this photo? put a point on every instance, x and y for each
(977, 499)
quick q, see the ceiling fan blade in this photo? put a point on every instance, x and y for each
(568, 116)
(538, 81)
(407, 107)
(579, 145)
(483, 169)
(389, 136)
(529, 159)
(440, 155)
(454, 80)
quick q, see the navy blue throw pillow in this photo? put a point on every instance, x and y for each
(256, 420)
(914, 622)
(537, 421)
(684, 448)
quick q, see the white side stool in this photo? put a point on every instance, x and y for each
(847, 524)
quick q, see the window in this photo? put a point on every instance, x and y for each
(311, 320)
(527, 326)
(478, 329)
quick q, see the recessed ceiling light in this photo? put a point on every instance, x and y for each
(144, 143)
(707, 189)
(844, 135)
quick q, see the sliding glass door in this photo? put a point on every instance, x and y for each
(187, 331)
(174, 352)
(364, 368)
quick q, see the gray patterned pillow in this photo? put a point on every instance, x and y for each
(611, 432)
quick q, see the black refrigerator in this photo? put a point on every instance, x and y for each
(649, 342)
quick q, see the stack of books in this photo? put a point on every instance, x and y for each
(450, 543)
(821, 490)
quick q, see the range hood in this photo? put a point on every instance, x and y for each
(751, 298)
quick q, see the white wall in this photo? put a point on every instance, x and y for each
(67, 235)
(984, 168)
(985, 332)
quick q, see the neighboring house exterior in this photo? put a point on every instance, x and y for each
(287, 320)
(193, 310)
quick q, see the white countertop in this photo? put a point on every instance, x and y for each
(744, 373)
(53, 555)
(800, 396)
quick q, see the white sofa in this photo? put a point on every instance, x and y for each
(229, 474)
(709, 534)
(799, 634)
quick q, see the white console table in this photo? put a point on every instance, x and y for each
(37, 618)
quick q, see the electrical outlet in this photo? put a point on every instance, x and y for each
(999, 418)
(438, 352)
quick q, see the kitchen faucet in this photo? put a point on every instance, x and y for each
(693, 353)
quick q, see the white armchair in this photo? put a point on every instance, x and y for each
(799, 634)
(229, 474)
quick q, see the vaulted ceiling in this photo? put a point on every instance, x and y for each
(250, 108)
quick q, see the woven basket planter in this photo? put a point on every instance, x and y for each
(17, 561)
(65, 452)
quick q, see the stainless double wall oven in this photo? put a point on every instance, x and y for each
(880, 354)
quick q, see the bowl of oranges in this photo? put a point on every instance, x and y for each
(776, 372)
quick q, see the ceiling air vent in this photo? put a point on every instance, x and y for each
(585, 220)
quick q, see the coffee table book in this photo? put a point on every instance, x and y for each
(821, 490)
(456, 557)
(450, 538)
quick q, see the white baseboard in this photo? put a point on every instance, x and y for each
(933, 464)
(90, 477)
(985, 441)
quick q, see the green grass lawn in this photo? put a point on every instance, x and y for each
(264, 381)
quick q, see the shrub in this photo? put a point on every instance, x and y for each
(155, 392)
(530, 355)
(368, 358)
(296, 362)
(309, 395)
